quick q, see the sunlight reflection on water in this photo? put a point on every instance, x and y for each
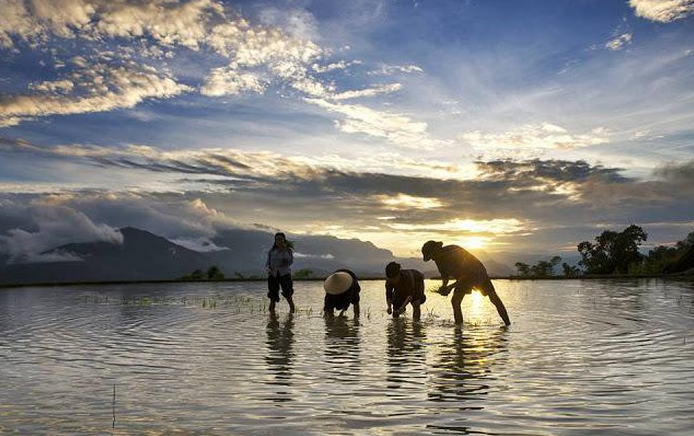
(581, 356)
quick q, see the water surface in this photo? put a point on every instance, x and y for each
(581, 357)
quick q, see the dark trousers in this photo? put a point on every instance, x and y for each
(273, 286)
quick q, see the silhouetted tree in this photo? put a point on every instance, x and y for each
(523, 268)
(668, 259)
(214, 273)
(542, 268)
(570, 270)
(612, 252)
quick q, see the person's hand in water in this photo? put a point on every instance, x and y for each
(444, 290)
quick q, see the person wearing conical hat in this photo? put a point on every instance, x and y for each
(341, 289)
(403, 287)
(468, 272)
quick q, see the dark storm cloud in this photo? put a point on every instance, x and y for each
(554, 170)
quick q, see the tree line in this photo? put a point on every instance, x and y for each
(614, 252)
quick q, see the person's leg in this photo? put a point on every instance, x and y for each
(288, 290)
(328, 305)
(354, 299)
(416, 311)
(496, 301)
(419, 298)
(456, 302)
(273, 292)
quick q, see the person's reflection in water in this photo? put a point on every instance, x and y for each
(342, 349)
(280, 340)
(463, 366)
(406, 354)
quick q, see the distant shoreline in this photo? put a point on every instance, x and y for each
(314, 279)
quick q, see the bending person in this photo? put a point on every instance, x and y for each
(403, 287)
(341, 289)
(467, 271)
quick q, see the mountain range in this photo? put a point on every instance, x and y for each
(145, 256)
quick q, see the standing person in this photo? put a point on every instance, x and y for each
(403, 287)
(341, 289)
(278, 266)
(467, 271)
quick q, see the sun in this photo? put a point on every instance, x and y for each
(474, 242)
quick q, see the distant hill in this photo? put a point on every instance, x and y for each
(142, 256)
(146, 256)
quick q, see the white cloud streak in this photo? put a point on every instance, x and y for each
(544, 136)
(619, 42)
(395, 128)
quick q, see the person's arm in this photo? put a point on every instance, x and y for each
(291, 258)
(401, 309)
(444, 282)
(267, 262)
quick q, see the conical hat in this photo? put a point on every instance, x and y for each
(337, 283)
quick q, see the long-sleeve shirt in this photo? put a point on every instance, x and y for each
(411, 284)
(279, 261)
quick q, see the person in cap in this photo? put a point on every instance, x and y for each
(468, 272)
(278, 266)
(341, 289)
(403, 287)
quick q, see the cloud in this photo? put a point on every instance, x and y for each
(663, 11)
(493, 226)
(105, 88)
(227, 81)
(369, 92)
(199, 244)
(389, 70)
(544, 136)
(510, 203)
(402, 201)
(619, 42)
(166, 21)
(395, 128)
(53, 225)
(280, 52)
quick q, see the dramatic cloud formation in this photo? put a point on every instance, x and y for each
(54, 225)
(509, 200)
(360, 120)
(257, 57)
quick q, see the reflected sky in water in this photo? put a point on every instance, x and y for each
(611, 357)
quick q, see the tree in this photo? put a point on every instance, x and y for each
(542, 268)
(214, 273)
(523, 268)
(569, 270)
(303, 274)
(612, 252)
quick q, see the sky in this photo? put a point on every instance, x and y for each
(510, 127)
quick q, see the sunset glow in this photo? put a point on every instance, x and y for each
(510, 127)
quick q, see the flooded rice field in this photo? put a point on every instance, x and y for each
(581, 357)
